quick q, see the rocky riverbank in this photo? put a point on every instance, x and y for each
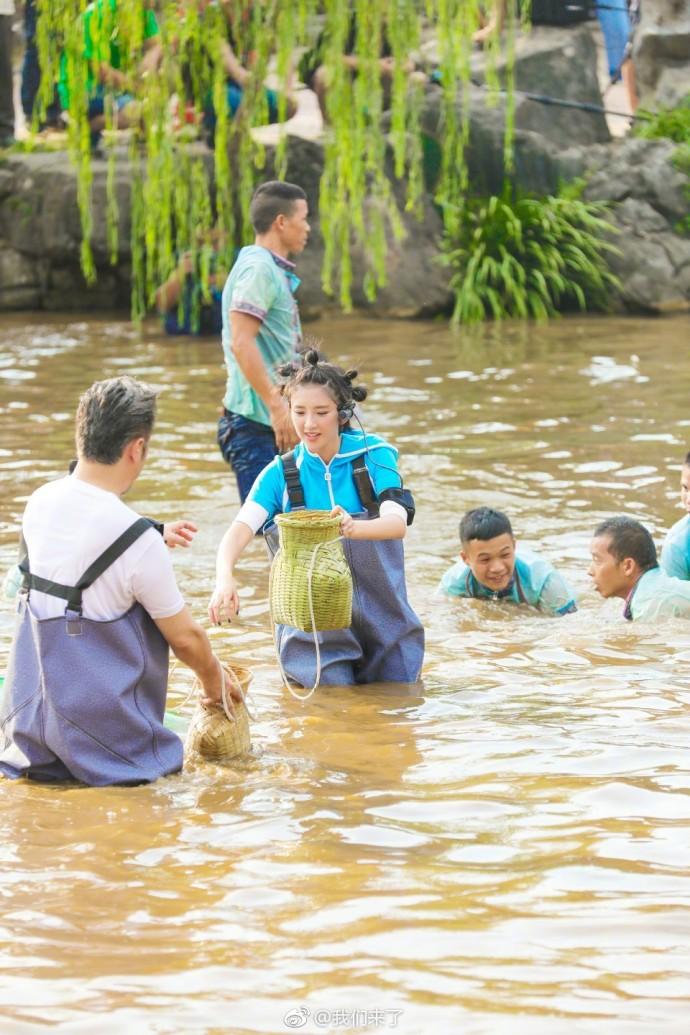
(40, 230)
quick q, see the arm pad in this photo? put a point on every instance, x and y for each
(401, 496)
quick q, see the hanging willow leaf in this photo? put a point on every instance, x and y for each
(373, 156)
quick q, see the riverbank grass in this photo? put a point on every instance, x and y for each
(521, 256)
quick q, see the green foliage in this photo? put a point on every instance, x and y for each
(671, 124)
(529, 257)
(666, 124)
(180, 191)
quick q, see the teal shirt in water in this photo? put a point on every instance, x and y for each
(534, 582)
(658, 595)
(260, 284)
(675, 553)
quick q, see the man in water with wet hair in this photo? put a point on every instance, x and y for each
(492, 568)
(262, 331)
(87, 677)
(624, 564)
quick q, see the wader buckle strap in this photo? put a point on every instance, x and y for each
(72, 594)
(360, 473)
(292, 482)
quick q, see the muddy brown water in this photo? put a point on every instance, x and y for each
(504, 852)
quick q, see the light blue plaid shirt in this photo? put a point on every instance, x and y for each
(260, 284)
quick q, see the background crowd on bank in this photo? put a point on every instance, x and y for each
(616, 18)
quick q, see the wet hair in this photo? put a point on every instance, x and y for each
(312, 369)
(110, 414)
(628, 538)
(271, 199)
(484, 523)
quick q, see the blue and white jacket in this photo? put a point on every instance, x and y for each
(326, 485)
(675, 553)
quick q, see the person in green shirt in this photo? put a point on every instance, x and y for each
(100, 47)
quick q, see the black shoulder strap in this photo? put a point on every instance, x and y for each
(72, 594)
(293, 484)
(360, 473)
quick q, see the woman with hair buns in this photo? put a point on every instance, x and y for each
(353, 475)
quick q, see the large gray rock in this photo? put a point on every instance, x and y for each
(39, 219)
(416, 284)
(39, 213)
(661, 53)
(20, 280)
(649, 198)
(553, 64)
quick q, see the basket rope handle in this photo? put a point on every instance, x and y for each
(310, 575)
(228, 671)
(226, 701)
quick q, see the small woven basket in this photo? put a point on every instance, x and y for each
(220, 732)
(310, 574)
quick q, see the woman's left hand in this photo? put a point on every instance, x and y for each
(347, 522)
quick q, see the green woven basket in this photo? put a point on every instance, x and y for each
(215, 735)
(310, 574)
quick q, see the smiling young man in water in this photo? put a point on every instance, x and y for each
(492, 568)
(624, 564)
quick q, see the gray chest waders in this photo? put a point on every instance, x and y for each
(385, 642)
(85, 700)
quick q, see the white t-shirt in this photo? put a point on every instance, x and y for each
(67, 525)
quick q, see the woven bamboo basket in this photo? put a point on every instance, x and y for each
(310, 574)
(220, 733)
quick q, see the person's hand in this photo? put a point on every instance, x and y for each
(347, 522)
(224, 605)
(482, 36)
(211, 690)
(179, 533)
(281, 422)
(386, 64)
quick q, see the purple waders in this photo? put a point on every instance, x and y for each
(85, 700)
(384, 644)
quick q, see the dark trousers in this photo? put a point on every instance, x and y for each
(247, 446)
(6, 99)
(31, 70)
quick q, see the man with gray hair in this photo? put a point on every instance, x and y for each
(87, 678)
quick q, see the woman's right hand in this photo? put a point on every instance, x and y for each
(224, 605)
